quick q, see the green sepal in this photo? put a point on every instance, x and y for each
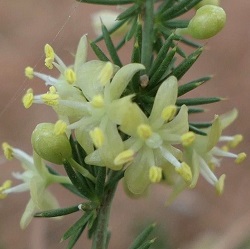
(161, 55)
(192, 85)
(142, 237)
(131, 11)
(164, 67)
(186, 64)
(196, 130)
(99, 53)
(57, 212)
(107, 2)
(197, 101)
(100, 181)
(79, 182)
(110, 46)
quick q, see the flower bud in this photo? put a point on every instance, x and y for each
(207, 22)
(207, 2)
(50, 145)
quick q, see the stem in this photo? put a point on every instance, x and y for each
(147, 34)
(101, 235)
(81, 170)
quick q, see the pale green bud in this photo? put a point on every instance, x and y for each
(207, 2)
(207, 22)
(51, 145)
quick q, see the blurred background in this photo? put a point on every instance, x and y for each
(198, 218)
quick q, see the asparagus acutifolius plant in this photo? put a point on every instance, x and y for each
(124, 122)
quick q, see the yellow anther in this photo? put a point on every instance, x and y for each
(29, 72)
(144, 131)
(155, 174)
(219, 185)
(28, 98)
(6, 185)
(50, 98)
(241, 157)
(169, 113)
(97, 137)
(49, 51)
(7, 150)
(106, 74)
(188, 138)
(70, 76)
(124, 157)
(97, 101)
(52, 89)
(236, 140)
(225, 148)
(185, 172)
(60, 127)
(49, 56)
(212, 166)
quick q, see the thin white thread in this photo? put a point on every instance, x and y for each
(23, 86)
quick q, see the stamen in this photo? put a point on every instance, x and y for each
(144, 131)
(60, 127)
(29, 72)
(219, 185)
(188, 138)
(241, 157)
(6, 185)
(7, 150)
(97, 101)
(124, 157)
(49, 51)
(50, 98)
(236, 140)
(97, 137)
(169, 113)
(185, 172)
(106, 74)
(70, 76)
(28, 98)
(155, 174)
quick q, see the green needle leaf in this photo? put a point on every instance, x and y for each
(141, 238)
(57, 212)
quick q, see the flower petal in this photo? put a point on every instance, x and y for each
(214, 134)
(81, 53)
(122, 78)
(166, 95)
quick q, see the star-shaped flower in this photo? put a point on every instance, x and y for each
(36, 178)
(152, 140)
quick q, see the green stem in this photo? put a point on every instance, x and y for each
(101, 235)
(147, 34)
(81, 170)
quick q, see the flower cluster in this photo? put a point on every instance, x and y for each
(90, 102)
